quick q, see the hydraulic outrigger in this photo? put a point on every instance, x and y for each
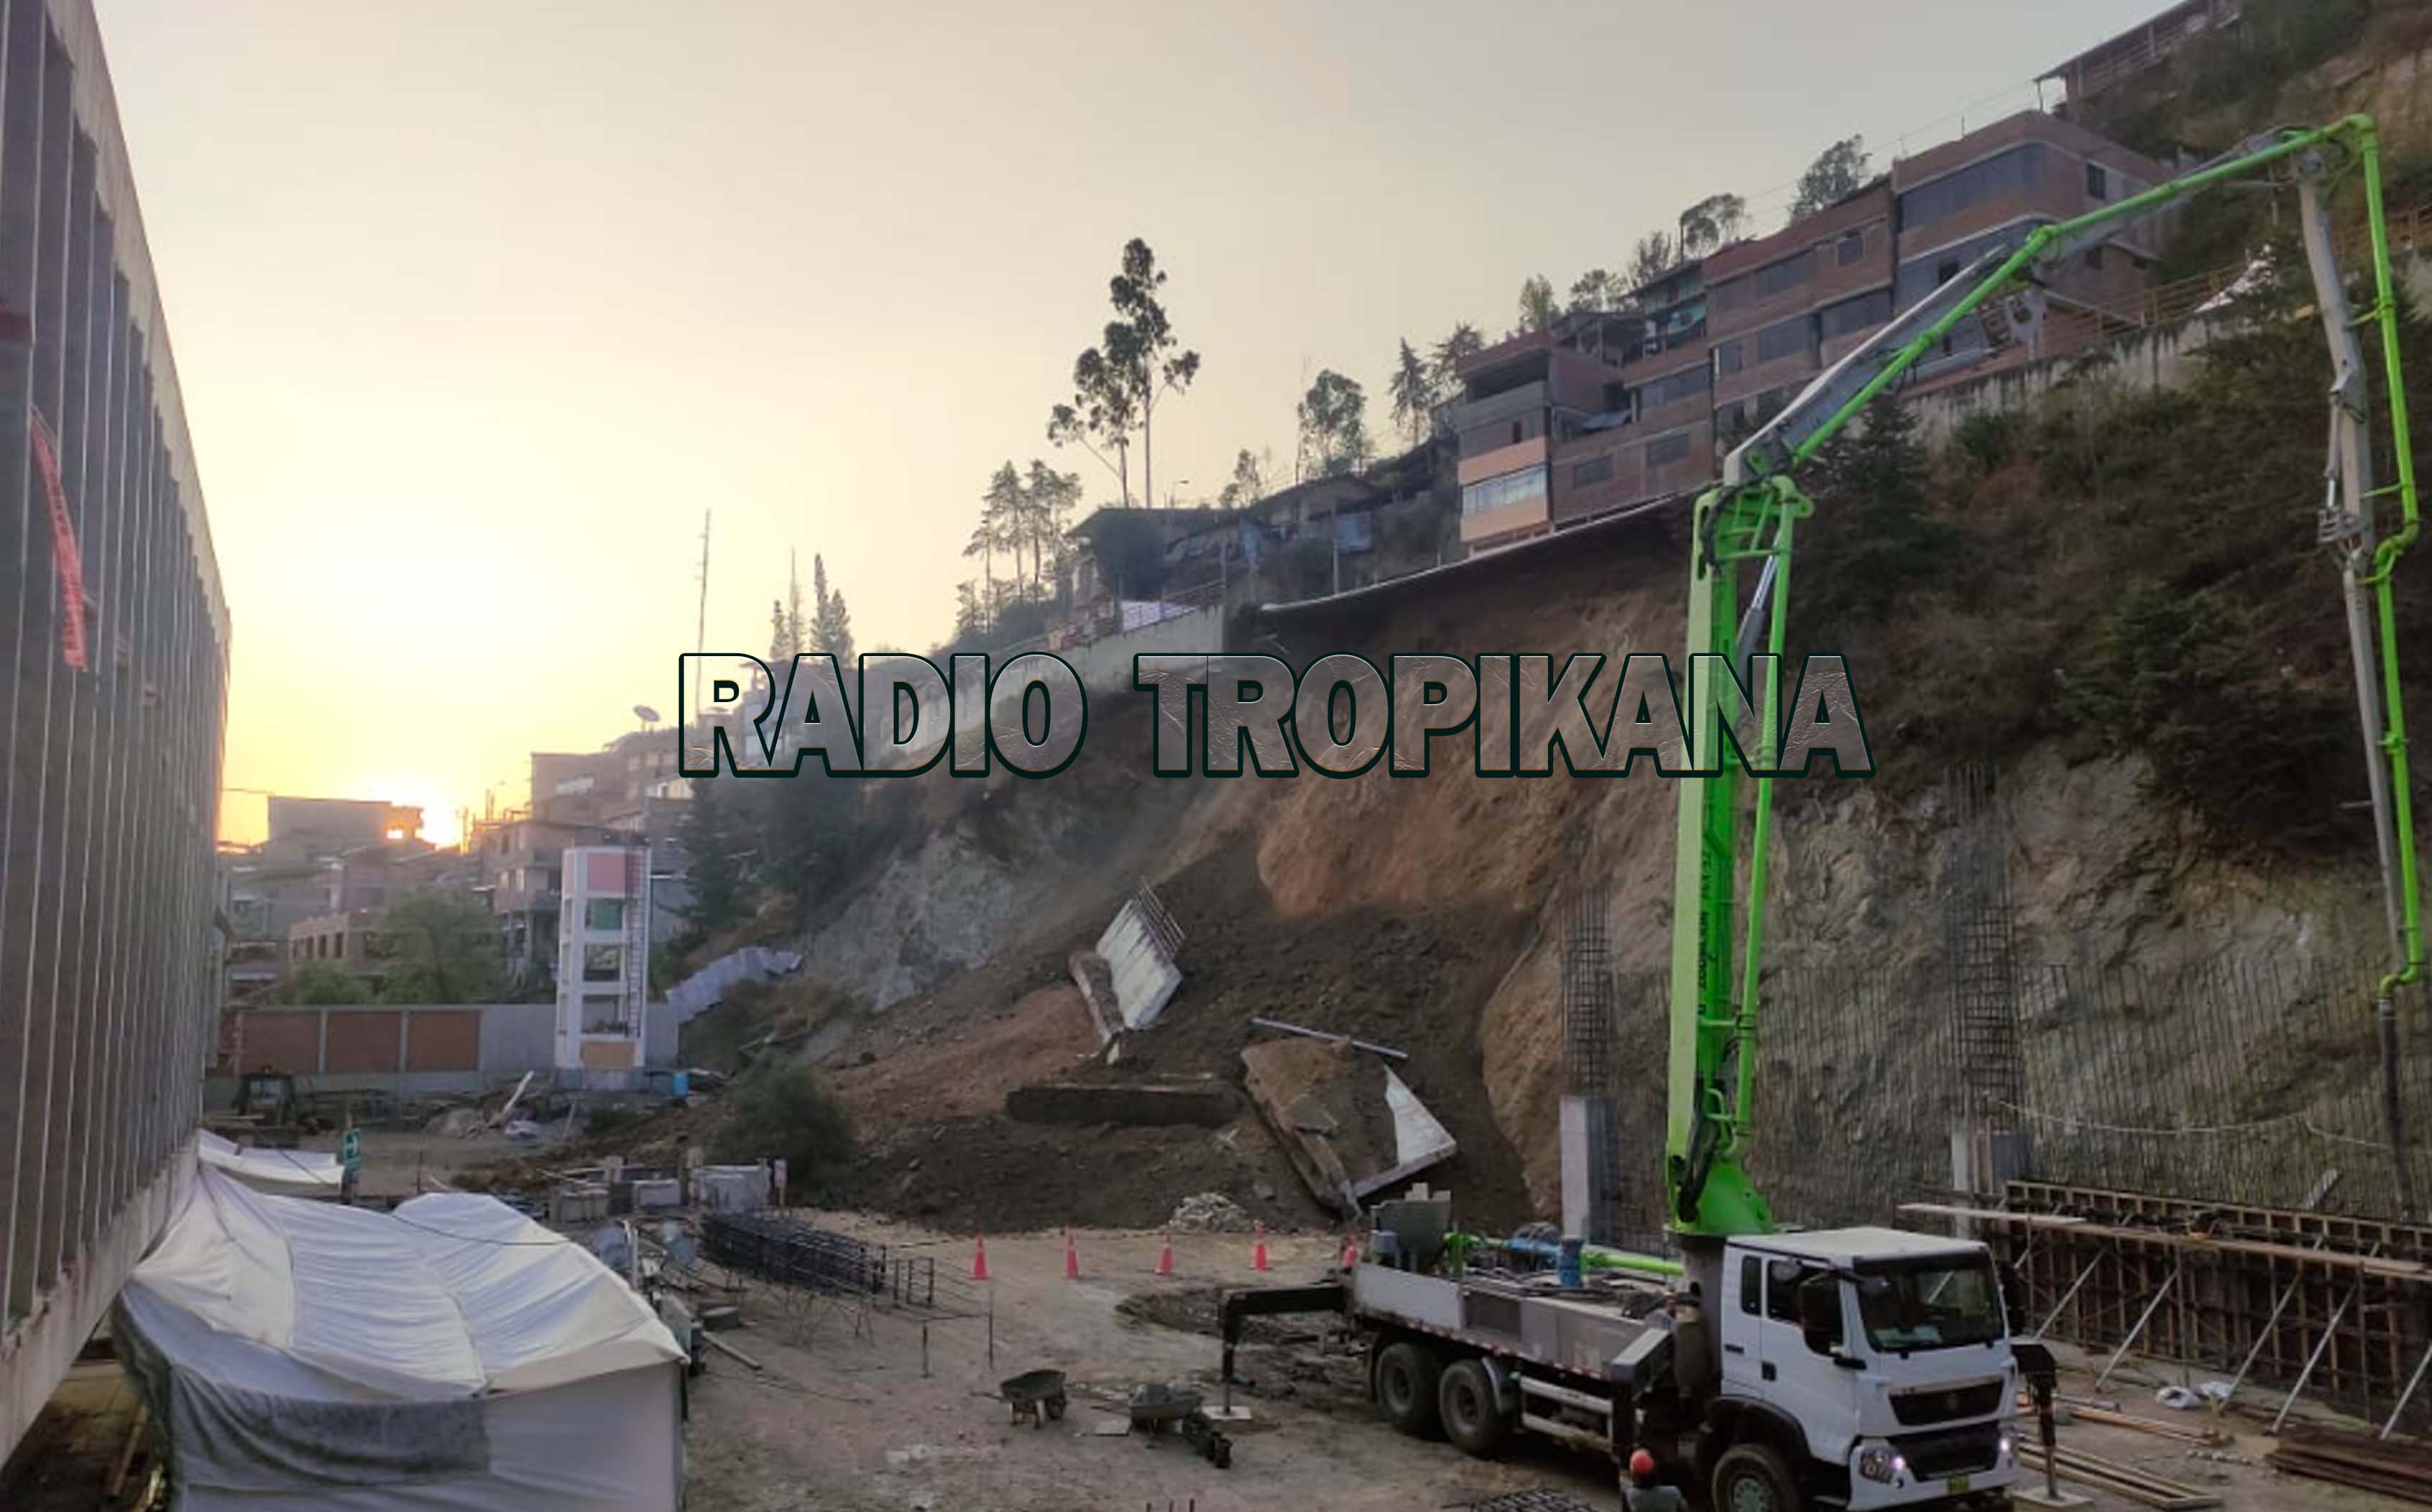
(1752, 515)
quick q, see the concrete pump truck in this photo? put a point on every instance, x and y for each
(1772, 1368)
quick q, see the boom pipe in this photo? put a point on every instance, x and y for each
(1749, 515)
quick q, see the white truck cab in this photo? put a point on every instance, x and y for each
(1887, 1353)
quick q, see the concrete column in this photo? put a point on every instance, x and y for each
(96, 483)
(27, 569)
(74, 991)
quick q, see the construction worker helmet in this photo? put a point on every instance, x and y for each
(1642, 1464)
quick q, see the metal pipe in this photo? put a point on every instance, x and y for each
(2407, 1395)
(2151, 1308)
(2263, 1334)
(2330, 1331)
(2068, 1296)
(1282, 1028)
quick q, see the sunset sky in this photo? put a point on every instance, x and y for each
(476, 306)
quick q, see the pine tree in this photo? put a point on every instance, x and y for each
(719, 883)
(831, 622)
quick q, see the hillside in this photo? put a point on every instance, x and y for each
(2111, 604)
(1420, 911)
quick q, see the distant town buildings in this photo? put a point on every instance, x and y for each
(2100, 68)
(1613, 410)
(603, 958)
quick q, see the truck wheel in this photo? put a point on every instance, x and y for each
(1472, 1420)
(1753, 1478)
(1407, 1375)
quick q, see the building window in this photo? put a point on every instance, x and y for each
(1774, 278)
(1944, 271)
(1728, 358)
(2097, 181)
(1511, 488)
(1665, 450)
(1592, 471)
(603, 914)
(1516, 436)
(1866, 312)
(603, 962)
(1752, 1284)
(1674, 387)
(1789, 339)
(604, 1014)
(2002, 174)
(1851, 248)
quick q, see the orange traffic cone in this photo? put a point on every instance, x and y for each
(1258, 1249)
(1072, 1258)
(979, 1257)
(1165, 1257)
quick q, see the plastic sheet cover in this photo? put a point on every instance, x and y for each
(453, 1356)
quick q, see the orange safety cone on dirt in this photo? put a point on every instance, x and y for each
(1165, 1257)
(979, 1258)
(1258, 1249)
(1072, 1258)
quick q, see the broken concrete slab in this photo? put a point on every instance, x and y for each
(1207, 1103)
(1137, 948)
(1096, 980)
(1349, 1126)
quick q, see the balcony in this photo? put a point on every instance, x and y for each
(1529, 398)
(1502, 460)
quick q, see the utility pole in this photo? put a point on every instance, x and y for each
(700, 621)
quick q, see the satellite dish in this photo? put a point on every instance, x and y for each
(646, 714)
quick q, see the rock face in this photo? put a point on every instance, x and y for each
(2100, 875)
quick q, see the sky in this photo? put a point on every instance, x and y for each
(478, 305)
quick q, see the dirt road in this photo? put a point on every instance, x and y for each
(840, 1422)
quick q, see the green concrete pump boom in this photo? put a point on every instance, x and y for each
(1749, 517)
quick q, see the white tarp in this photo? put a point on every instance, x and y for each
(284, 1172)
(453, 1356)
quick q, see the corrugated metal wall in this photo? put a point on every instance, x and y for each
(109, 798)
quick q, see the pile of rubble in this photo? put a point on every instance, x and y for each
(1210, 1213)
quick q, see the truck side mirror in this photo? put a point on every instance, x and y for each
(1819, 1312)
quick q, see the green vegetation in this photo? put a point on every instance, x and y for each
(2127, 572)
(319, 985)
(442, 947)
(786, 1112)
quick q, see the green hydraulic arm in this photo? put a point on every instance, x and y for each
(1751, 517)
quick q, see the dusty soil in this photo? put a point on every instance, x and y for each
(996, 1176)
(939, 1066)
(1041, 1037)
(846, 1421)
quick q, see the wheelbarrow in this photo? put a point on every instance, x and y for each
(1034, 1392)
(1156, 1410)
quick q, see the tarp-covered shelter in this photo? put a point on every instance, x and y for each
(452, 1356)
(280, 1172)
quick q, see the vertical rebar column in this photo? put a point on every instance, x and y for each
(1982, 942)
(1588, 1057)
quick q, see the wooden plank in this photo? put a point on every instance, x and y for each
(2394, 1269)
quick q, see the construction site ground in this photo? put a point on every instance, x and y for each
(842, 1418)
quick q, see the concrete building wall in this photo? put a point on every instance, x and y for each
(433, 1045)
(107, 984)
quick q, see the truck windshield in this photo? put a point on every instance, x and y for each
(1935, 1304)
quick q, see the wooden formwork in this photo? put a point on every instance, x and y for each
(2268, 1298)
